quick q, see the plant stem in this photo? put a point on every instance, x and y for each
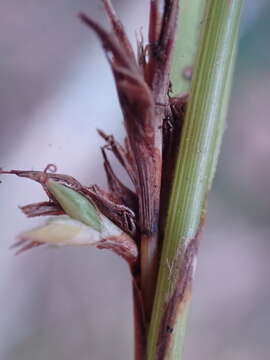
(190, 22)
(195, 167)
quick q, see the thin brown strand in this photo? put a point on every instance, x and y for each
(160, 51)
(154, 22)
(120, 154)
(109, 41)
(119, 29)
(27, 246)
(42, 209)
(139, 318)
(125, 195)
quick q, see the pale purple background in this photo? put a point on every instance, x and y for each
(75, 303)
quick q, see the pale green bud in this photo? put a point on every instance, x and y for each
(62, 230)
(75, 205)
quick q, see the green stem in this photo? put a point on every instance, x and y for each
(195, 167)
(191, 13)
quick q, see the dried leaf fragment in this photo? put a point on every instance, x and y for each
(83, 203)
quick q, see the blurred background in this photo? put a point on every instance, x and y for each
(75, 303)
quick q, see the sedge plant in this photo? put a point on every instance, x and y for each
(173, 94)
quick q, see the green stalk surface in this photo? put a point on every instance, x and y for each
(196, 163)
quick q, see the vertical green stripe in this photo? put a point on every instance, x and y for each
(199, 147)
